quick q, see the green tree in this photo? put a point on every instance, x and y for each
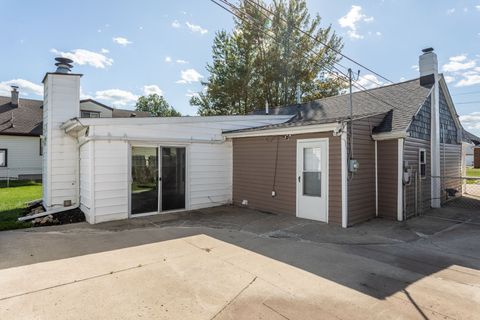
(267, 59)
(156, 105)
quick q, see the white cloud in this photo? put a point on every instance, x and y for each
(168, 59)
(176, 24)
(451, 11)
(180, 61)
(24, 86)
(471, 121)
(458, 63)
(84, 95)
(378, 33)
(470, 78)
(121, 41)
(117, 97)
(415, 67)
(86, 57)
(351, 21)
(104, 50)
(449, 79)
(189, 76)
(368, 81)
(196, 28)
(191, 93)
(477, 7)
(152, 89)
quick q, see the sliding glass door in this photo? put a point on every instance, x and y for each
(173, 178)
(148, 195)
(144, 198)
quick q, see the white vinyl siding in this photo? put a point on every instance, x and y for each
(209, 164)
(61, 156)
(23, 156)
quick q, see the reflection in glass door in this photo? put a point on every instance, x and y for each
(144, 180)
(173, 178)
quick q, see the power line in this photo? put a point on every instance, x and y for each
(325, 44)
(344, 78)
(469, 102)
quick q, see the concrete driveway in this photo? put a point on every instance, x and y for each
(231, 263)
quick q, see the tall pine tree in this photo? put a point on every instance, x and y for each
(267, 59)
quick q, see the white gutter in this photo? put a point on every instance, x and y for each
(46, 213)
(333, 126)
(390, 135)
(148, 139)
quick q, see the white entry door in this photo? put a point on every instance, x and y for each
(312, 179)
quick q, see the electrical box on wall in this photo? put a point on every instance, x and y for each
(274, 193)
(353, 165)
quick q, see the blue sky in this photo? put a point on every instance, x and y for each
(129, 48)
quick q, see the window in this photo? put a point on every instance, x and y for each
(89, 114)
(3, 157)
(422, 163)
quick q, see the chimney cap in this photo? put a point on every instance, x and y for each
(427, 50)
(63, 64)
(14, 88)
(64, 60)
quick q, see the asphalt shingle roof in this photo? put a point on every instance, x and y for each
(470, 137)
(24, 119)
(399, 101)
(27, 118)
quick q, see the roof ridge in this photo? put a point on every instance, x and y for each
(344, 94)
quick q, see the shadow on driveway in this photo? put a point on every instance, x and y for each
(378, 258)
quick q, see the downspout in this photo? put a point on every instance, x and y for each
(344, 169)
(376, 178)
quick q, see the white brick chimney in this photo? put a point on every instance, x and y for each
(428, 64)
(61, 102)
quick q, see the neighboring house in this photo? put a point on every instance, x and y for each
(21, 131)
(298, 160)
(469, 144)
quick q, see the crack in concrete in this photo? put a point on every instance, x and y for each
(277, 312)
(234, 298)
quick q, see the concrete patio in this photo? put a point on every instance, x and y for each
(233, 263)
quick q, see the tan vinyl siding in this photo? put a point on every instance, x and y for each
(361, 188)
(411, 154)
(387, 178)
(451, 168)
(254, 167)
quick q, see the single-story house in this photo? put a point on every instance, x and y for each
(470, 143)
(313, 160)
(21, 128)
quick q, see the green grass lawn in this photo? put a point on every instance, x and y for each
(471, 172)
(12, 202)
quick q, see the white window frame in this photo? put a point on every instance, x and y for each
(420, 163)
(5, 165)
(90, 113)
